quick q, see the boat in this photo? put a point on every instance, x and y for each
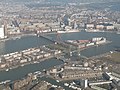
(111, 52)
(7, 70)
(93, 30)
(35, 62)
(22, 65)
(37, 72)
(19, 37)
(69, 31)
(66, 84)
(57, 81)
(61, 31)
(43, 70)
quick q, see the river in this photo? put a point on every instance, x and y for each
(33, 41)
(115, 38)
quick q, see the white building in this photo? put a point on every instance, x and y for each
(109, 27)
(91, 26)
(2, 32)
(99, 26)
(86, 83)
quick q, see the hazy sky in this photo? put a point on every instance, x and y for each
(61, 0)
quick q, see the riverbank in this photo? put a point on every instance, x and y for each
(112, 56)
(16, 37)
(28, 63)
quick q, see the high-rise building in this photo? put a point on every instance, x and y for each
(2, 32)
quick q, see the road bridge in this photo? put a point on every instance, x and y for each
(61, 43)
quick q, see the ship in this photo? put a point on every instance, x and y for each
(7, 70)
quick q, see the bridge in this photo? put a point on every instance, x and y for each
(52, 39)
(61, 43)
